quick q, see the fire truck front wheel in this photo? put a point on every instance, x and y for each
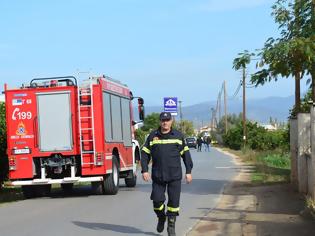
(111, 181)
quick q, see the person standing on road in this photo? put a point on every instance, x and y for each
(199, 144)
(207, 143)
(166, 146)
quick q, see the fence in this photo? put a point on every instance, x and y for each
(302, 147)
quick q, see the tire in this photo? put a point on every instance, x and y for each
(111, 181)
(67, 188)
(28, 192)
(33, 191)
(131, 181)
(42, 190)
(98, 188)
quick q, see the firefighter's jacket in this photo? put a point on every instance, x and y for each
(166, 151)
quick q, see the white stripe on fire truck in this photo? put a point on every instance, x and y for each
(109, 157)
(126, 168)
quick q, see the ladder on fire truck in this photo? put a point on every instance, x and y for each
(85, 103)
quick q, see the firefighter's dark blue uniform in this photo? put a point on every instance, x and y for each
(166, 151)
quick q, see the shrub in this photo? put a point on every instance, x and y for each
(258, 138)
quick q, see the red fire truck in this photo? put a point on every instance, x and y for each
(62, 133)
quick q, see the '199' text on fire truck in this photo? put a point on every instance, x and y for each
(62, 133)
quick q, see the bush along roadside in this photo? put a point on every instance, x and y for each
(267, 151)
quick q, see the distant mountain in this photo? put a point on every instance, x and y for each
(259, 110)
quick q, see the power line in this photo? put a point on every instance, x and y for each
(237, 90)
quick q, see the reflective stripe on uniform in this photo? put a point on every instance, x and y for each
(171, 209)
(146, 150)
(186, 148)
(166, 141)
(161, 208)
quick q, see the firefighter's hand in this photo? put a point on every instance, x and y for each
(146, 176)
(188, 178)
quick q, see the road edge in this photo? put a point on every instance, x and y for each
(237, 161)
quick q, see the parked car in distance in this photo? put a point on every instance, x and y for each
(191, 142)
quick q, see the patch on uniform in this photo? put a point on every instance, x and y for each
(156, 138)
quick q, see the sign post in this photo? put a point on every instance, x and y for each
(170, 105)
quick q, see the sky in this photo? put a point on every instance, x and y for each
(159, 48)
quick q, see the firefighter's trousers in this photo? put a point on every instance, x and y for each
(158, 197)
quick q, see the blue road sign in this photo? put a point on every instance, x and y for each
(170, 105)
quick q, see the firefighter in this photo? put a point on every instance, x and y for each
(166, 146)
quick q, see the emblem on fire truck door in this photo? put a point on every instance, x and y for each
(21, 129)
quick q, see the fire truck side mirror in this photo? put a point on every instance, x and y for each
(141, 108)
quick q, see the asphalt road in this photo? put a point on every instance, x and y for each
(128, 213)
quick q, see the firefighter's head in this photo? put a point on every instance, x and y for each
(166, 121)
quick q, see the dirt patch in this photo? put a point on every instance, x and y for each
(247, 209)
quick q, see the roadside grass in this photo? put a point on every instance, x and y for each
(270, 166)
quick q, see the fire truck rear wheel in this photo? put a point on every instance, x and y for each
(111, 181)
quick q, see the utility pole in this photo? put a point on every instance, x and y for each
(225, 107)
(244, 107)
(181, 116)
(212, 118)
(219, 107)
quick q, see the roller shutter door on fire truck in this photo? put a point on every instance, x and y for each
(54, 121)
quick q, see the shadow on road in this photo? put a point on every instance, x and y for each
(111, 227)
(204, 186)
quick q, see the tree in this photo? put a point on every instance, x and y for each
(151, 122)
(232, 121)
(293, 54)
(186, 127)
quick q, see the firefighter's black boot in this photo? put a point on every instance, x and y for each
(171, 226)
(160, 225)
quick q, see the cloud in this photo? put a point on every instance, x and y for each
(231, 5)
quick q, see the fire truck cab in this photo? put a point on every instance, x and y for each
(62, 133)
